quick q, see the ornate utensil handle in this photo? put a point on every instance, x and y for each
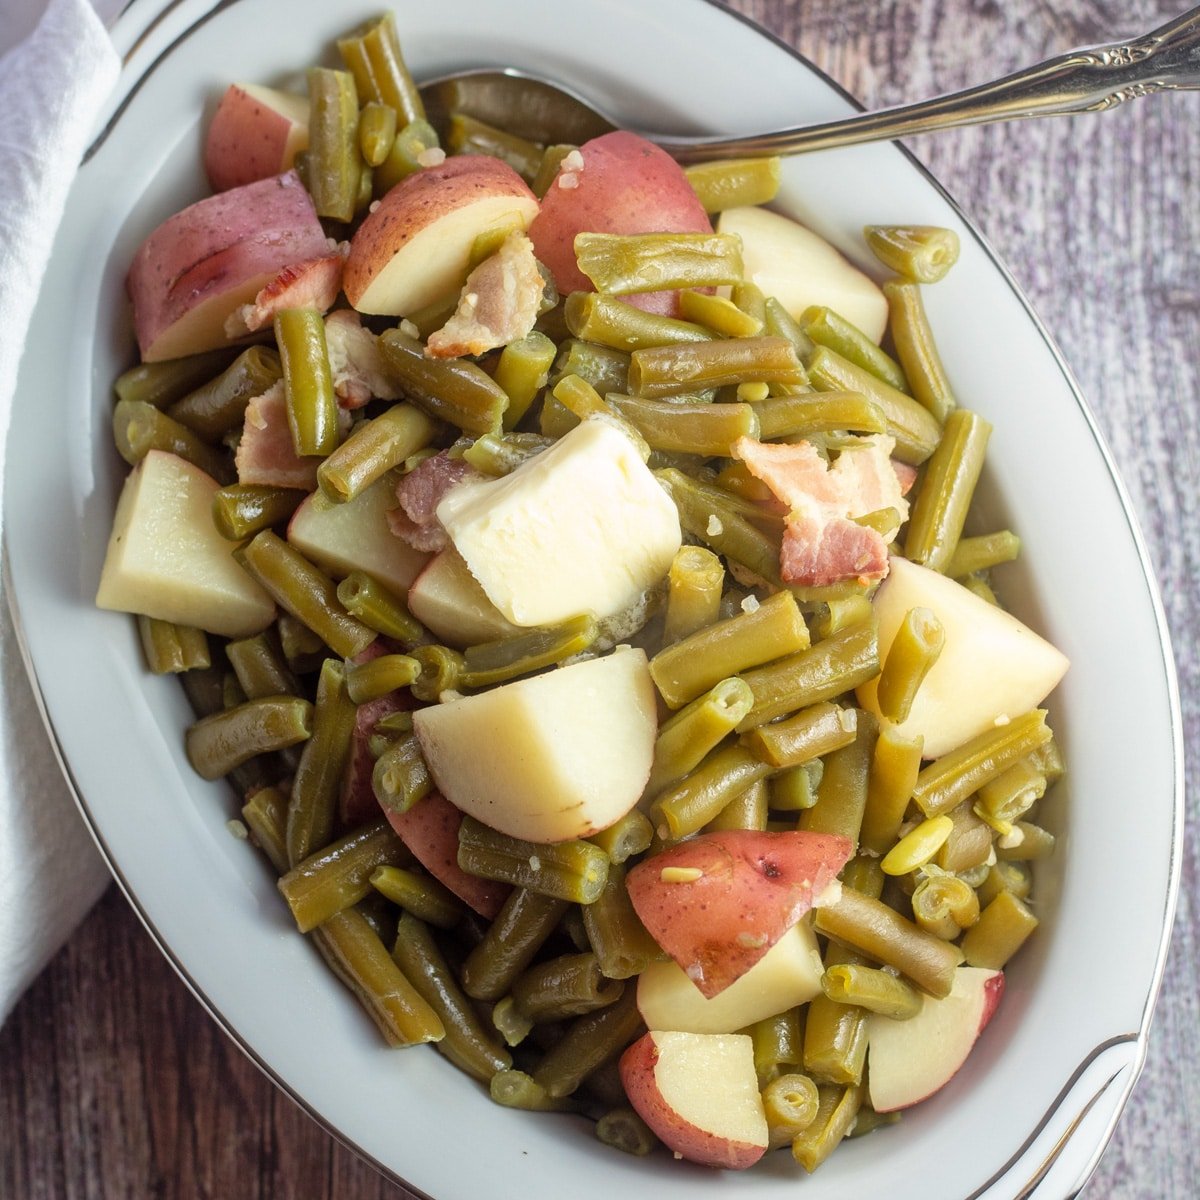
(1086, 80)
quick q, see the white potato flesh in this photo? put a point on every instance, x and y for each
(582, 527)
(165, 558)
(992, 668)
(787, 975)
(447, 599)
(355, 536)
(548, 758)
(801, 269)
(709, 1080)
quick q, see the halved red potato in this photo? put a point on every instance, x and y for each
(414, 249)
(255, 133)
(205, 262)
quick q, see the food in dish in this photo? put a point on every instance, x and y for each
(666, 714)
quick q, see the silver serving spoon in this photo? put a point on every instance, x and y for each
(1087, 80)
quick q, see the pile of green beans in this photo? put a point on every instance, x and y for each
(533, 992)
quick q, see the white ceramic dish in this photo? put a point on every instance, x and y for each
(1035, 1104)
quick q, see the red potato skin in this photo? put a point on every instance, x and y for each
(418, 201)
(753, 887)
(637, 1066)
(627, 185)
(216, 244)
(246, 141)
(430, 830)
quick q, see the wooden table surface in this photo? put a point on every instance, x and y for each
(113, 1081)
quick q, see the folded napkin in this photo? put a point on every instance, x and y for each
(56, 69)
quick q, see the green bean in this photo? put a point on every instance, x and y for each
(875, 990)
(946, 491)
(778, 1044)
(370, 680)
(170, 648)
(1010, 795)
(659, 371)
(589, 1041)
(580, 398)
(568, 986)
(243, 509)
(510, 1023)
(469, 135)
(372, 603)
(916, 432)
(467, 1044)
(828, 328)
(864, 874)
(400, 777)
(802, 416)
(872, 928)
(548, 167)
(304, 591)
(712, 516)
(376, 132)
(409, 146)
(203, 689)
(811, 733)
(527, 919)
(842, 793)
(313, 805)
(499, 454)
(835, 1034)
(260, 667)
(694, 584)
(373, 54)
(839, 614)
(265, 814)
(441, 671)
(303, 649)
(619, 264)
(793, 789)
(618, 938)
(689, 805)
(722, 316)
(361, 961)
(451, 389)
(231, 692)
(790, 1104)
(216, 744)
(922, 253)
(523, 653)
(573, 870)
(1034, 842)
(312, 409)
(522, 371)
(749, 299)
(624, 838)
(1005, 876)
(1048, 758)
(373, 449)
(606, 369)
(139, 427)
(835, 665)
(611, 322)
(945, 905)
(915, 648)
(837, 1111)
(689, 667)
(705, 429)
(999, 933)
(162, 383)
(748, 810)
(735, 183)
(917, 349)
(219, 406)
(952, 778)
(970, 842)
(516, 1089)
(781, 323)
(622, 1129)
(419, 894)
(334, 165)
(977, 585)
(339, 876)
(983, 552)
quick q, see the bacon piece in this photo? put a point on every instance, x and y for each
(265, 454)
(313, 283)
(419, 494)
(822, 545)
(359, 372)
(906, 475)
(498, 305)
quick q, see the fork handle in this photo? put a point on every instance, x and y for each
(1086, 80)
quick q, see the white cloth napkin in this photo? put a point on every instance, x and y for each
(56, 68)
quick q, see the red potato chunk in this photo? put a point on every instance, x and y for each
(717, 903)
(625, 185)
(255, 133)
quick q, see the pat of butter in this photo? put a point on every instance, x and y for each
(582, 527)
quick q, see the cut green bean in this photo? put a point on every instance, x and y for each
(811, 733)
(334, 163)
(969, 845)
(139, 427)
(722, 316)
(690, 804)
(828, 328)
(219, 406)
(618, 938)
(619, 264)
(870, 988)
(374, 56)
(780, 323)
(835, 1034)
(790, 1104)
(303, 649)
(794, 789)
(373, 449)
(573, 871)
(243, 509)
(304, 591)
(748, 810)
(171, 648)
(516, 1089)
(589, 1041)
(694, 585)
(564, 987)
(1010, 795)
(622, 1129)
(802, 416)
(708, 430)
(260, 666)
(216, 744)
(527, 919)
(339, 876)
(837, 1112)
(778, 1044)
(842, 793)
(162, 383)
(507, 658)
(469, 135)
(916, 349)
(611, 322)
(265, 814)
(376, 132)
(419, 894)
(1005, 876)
(999, 933)
(624, 838)
(916, 647)
(312, 409)
(498, 454)
(944, 905)
(522, 372)
(1027, 841)
(735, 182)
(370, 680)
(372, 603)
(441, 671)
(548, 167)
(655, 372)
(400, 777)
(411, 145)
(922, 253)
(983, 552)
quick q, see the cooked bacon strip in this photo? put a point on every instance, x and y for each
(906, 475)
(314, 283)
(265, 454)
(357, 365)
(822, 544)
(498, 305)
(419, 494)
